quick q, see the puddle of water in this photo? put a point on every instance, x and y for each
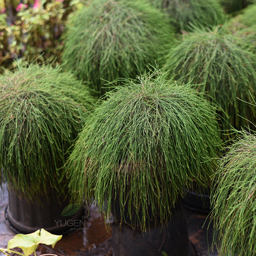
(94, 239)
(91, 240)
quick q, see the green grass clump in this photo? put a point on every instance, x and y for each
(144, 144)
(233, 6)
(221, 69)
(47, 77)
(187, 14)
(115, 39)
(234, 199)
(40, 118)
(247, 17)
(243, 26)
(247, 36)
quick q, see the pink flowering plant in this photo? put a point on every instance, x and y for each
(32, 30)
(21, 7)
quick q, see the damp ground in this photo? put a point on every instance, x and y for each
(94, 238)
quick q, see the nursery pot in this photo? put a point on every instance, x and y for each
(172, 238)
(26, 216)
(197, 202)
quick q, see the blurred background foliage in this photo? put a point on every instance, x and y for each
(234, 6)
(31, 30)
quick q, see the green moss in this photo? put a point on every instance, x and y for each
(112, 39)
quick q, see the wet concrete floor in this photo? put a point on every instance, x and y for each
(94, 239)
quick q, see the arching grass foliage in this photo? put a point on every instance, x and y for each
(187, 14)
(40, 117)
(115, 39)
(243, 26)
(142, 146)
(234, 199)
(219, 67)
(247, 17)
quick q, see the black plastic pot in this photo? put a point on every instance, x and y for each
(171, 239)
(197, 202)
(24, 216)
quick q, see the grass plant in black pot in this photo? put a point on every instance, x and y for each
(234, 199)
(110, 39)
(42, 111)
(220, 68)
(146, 142)
(225, 72)
(186, 14)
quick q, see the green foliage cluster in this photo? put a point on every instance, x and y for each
(186, 14)
(223, 70)
(247, 36)
(234, 6)
(248, 16)
(39, 120)
(49, 77)
(29, 33)
(234, 200)
(143, 145)
(115, 39)
(243, 26)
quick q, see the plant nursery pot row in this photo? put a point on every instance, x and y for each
(25, 217)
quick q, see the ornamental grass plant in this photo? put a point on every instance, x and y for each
(187, 14)
(143, 145)
(234, 199)
(40, 118)
(247, 36)
(220, 68)
(246, 18)
(111, 39)
(243, 26)
(55, 78)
